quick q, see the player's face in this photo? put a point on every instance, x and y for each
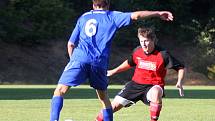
(146, 43)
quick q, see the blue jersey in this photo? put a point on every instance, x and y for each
(93, 33)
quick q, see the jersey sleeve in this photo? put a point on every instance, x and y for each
(122, 18)
(131, 60)
(171, 62)
(74, 38)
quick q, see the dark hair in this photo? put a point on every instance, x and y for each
(101, 3)
(148, 33)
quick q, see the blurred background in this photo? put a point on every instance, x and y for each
(34, 34)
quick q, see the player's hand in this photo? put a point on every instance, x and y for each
(180, 89)
(111, 72)
(166, 15)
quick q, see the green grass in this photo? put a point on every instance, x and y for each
(32, 103)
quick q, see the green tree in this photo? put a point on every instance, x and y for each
(33, 21)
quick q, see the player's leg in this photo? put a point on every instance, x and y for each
(99, 81)
(125, 98)
(106, 104)
(116, 106)
(57, 101)
(73, 75)
(154, 95)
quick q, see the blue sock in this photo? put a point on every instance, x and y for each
(56, 106)
(108, 114)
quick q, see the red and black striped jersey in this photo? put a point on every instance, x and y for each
(151, 68)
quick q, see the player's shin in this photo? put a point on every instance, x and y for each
(155, 109)
(107, 114)
(56, 106)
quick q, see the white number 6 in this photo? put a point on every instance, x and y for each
(90, 27)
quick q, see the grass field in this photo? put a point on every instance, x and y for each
(32, 103)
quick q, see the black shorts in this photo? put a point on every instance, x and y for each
(135, 92)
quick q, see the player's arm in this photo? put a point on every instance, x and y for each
(122, 67)
(70, 48)
(74, 38)
(164, 15)
(181, 73)
(172, 63)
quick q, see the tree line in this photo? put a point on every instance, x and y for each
(34, 22)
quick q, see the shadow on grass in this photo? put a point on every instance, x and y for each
(83, 93)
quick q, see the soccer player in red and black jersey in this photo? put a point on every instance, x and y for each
(151, 63)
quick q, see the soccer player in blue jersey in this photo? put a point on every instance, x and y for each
(89, 49)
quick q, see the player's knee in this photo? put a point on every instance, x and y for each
(158, 92)
(116, 106)
(60, 90)
(156, 95)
